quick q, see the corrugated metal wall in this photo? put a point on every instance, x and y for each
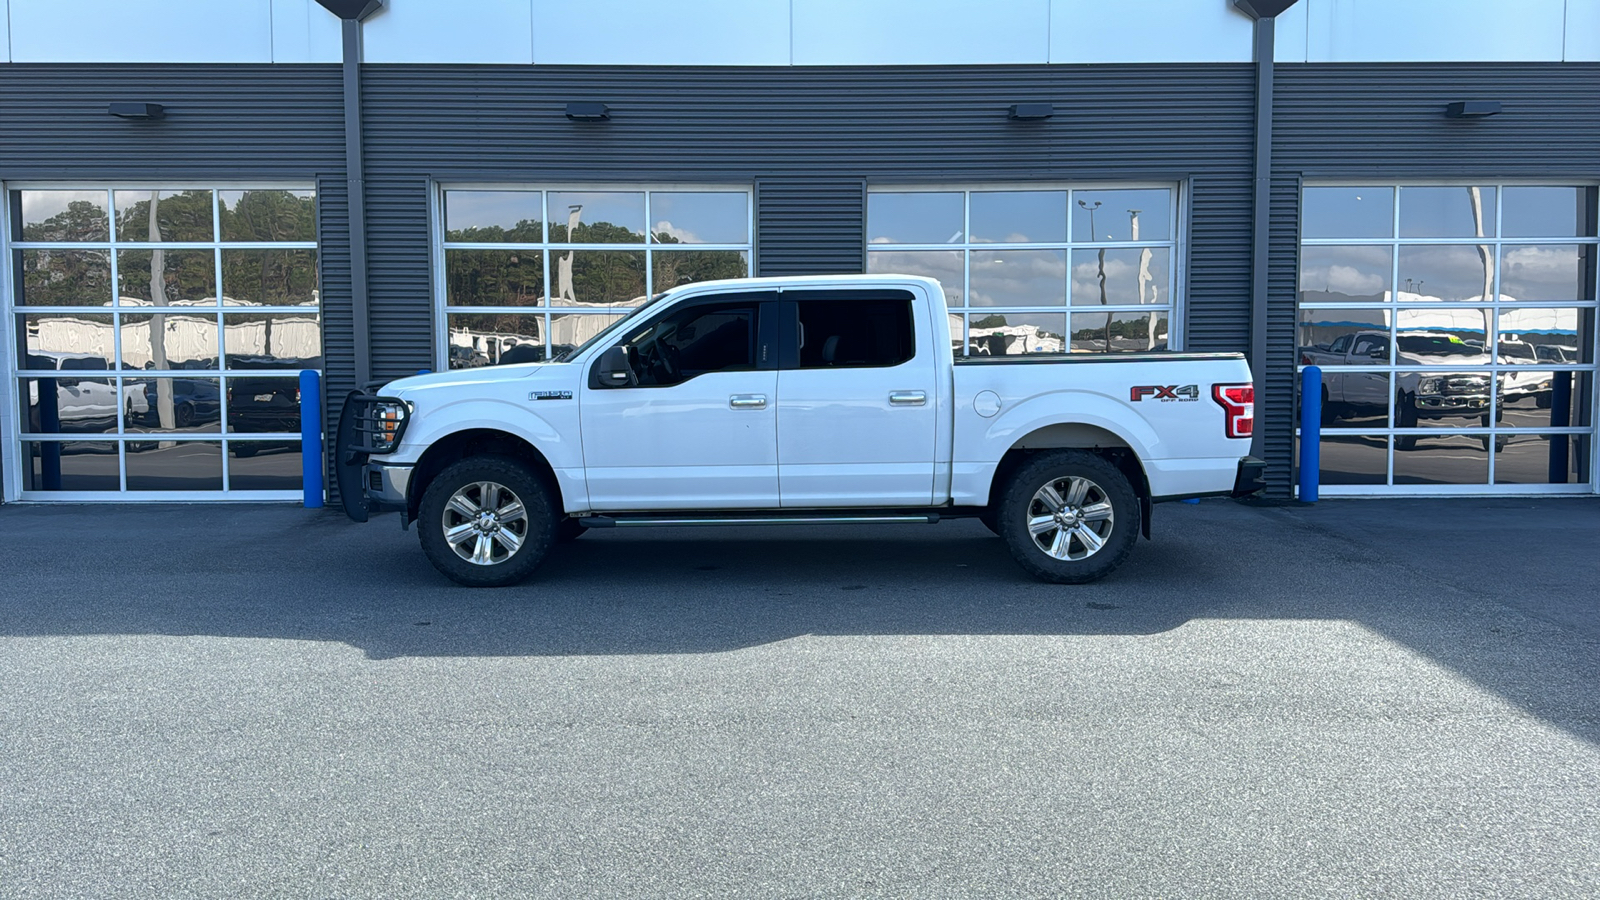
(809, 139)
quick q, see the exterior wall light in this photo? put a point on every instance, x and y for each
(137, 110)
(1472, 109)
(1030, 112)
(588, 112)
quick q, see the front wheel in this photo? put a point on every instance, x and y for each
(1069, 517)
(486, 521)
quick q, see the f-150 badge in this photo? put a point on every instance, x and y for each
(549, 395)
(1165, 392)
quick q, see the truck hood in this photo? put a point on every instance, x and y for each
(470, 377)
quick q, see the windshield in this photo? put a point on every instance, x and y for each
(1430, 345)
(611, 329)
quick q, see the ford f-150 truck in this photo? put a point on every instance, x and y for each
(818, 399)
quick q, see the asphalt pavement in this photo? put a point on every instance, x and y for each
(1352, 699)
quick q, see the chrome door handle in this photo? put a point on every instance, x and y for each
(907, 398)
(748, 401)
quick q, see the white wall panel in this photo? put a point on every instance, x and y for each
(1458, 31)
(656, 33)
(1583, 31)
(451, 31)
(1138, 31)
(920, 32)
(304, 32)
(141, 31)
(1289, 34)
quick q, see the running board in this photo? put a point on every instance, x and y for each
(629, 521)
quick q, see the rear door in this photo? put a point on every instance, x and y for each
(857, 400)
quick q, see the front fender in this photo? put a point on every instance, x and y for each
(437, 423)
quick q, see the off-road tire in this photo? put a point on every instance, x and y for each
(538, 528)
(1104, 488)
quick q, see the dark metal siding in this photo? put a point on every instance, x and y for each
(808, 139)
(1386, 122)
(233, 123)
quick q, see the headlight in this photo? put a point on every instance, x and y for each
(1430, 386)
(382, 422)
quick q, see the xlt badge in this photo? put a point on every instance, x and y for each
(549, 395)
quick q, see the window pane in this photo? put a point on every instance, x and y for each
(1546, 273)
(1549, 212)
(942, 265)
(187, 277)
(915, 218)
(1124, 332)
(1443, 337)
(700, 218)
(1533, 336)
(66, 278)
(66, 340)
(1355, 400)
(1446, 212)
(169, 341)
(174, 404)
(1011, 334)
(1347, 212)
(694, 341)
(494, 277)
(259, 404)
(283, 340)
(1540, 398)
(71, 404)
(1143, 215)
(1457, 272)
(1444, 399)
(688, 266)
(1026, 217)
(1344, 336)
(1019, 277)
(70, 466)
(596, 217)
(487, 339)
(64, 216)
(568, 330)
(268, 215)
(270, 277)
(1345, 274)
(1120, 277)
(509, 217)
(264, 466)
(597, 277)
(1354, 459)
(174, 466)
(1441, 459)
(176, 215)
(1540, 458)
(855, 333)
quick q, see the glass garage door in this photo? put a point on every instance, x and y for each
(156, 340)
(1455, 328)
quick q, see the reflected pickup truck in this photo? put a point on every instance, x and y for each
(821, 399)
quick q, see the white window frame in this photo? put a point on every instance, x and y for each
(1177, 245)
(1395, 242)
(442, 308)
(12, 416)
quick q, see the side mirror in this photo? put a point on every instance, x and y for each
(615, 370)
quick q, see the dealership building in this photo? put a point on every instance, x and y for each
(204, 199)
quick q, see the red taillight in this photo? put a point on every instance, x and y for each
(1238, 402)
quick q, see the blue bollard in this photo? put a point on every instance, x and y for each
(311, 437)
(1310, 432)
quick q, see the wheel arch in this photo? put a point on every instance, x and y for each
(1089, 438)
(471, 442)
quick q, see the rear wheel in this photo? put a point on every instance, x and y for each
(486, 521)
(1069, 517)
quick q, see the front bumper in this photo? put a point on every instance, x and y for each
(386, 486)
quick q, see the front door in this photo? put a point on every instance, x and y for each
(697, 428)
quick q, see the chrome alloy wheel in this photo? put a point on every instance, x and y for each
(485, 523)
(1070, 518)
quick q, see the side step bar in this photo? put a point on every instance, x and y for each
(630, 521)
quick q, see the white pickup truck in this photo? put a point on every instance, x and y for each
(822, 399)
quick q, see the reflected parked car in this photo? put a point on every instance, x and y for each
(79, 404)
(195, 401)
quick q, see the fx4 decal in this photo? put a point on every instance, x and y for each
(1165, 392)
